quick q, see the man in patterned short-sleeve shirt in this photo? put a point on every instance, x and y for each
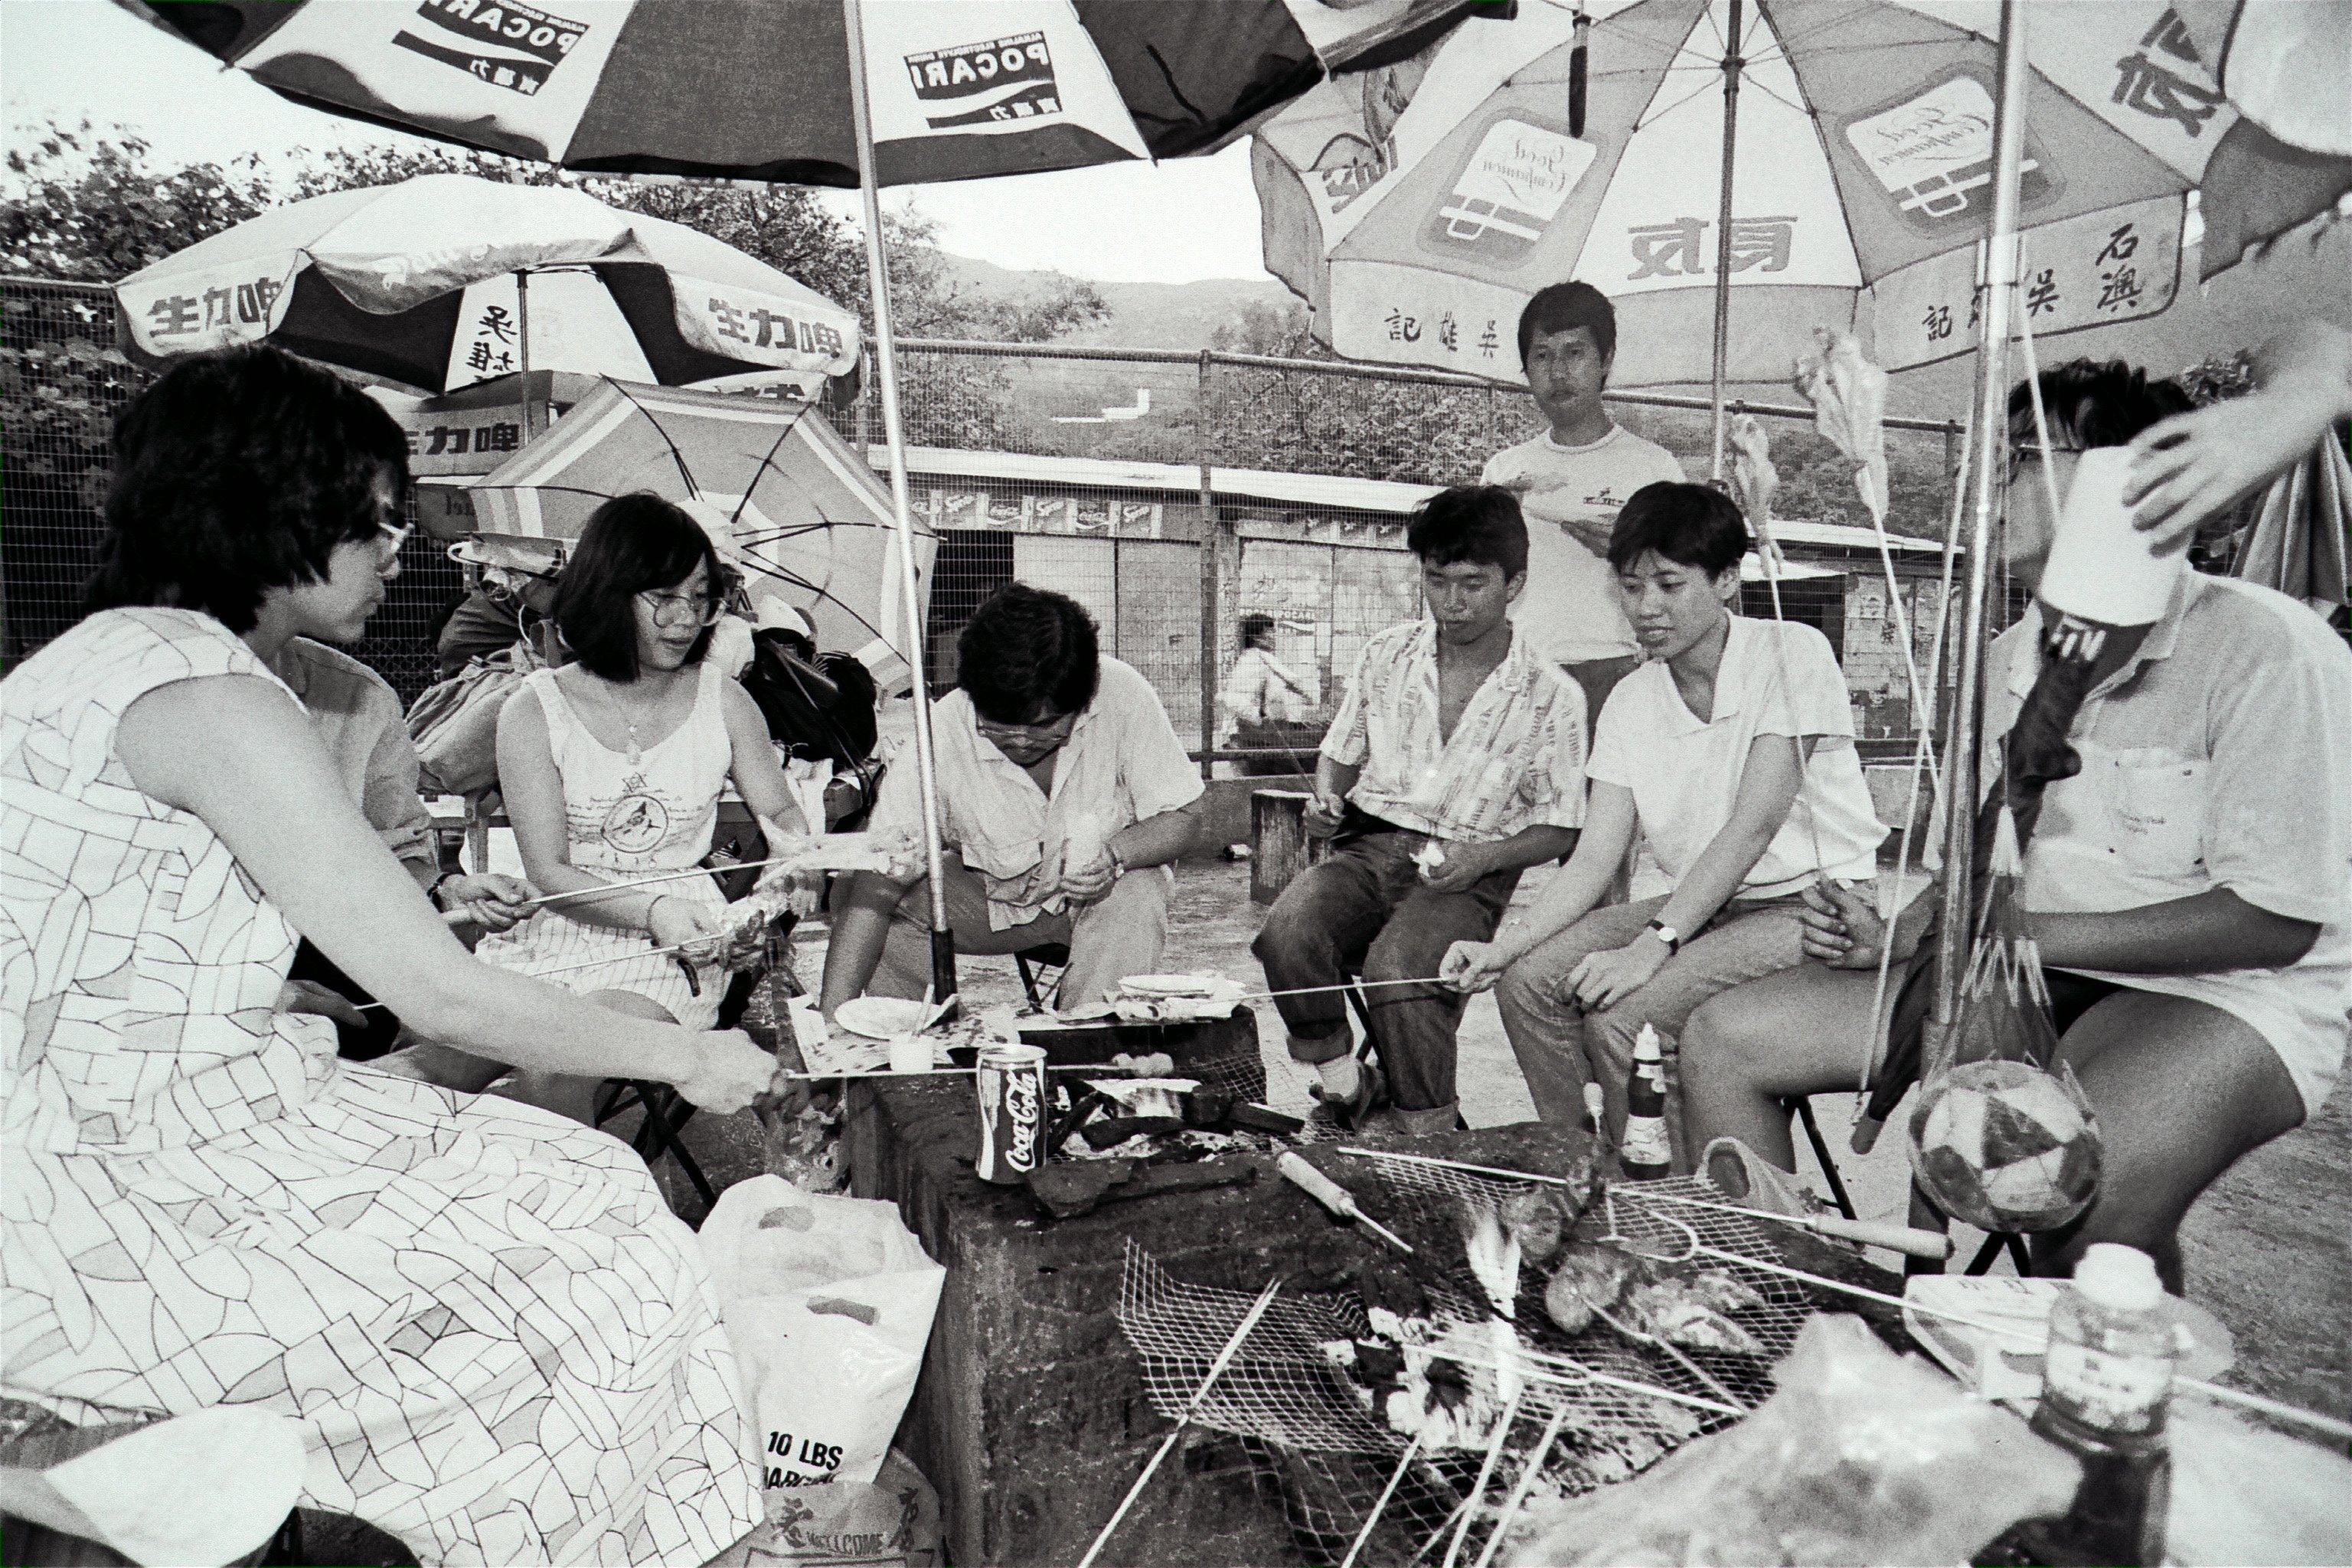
(1456, 761)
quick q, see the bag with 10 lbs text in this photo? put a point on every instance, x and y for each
(828, 1303)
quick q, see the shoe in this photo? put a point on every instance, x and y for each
(1350, 1114)
(1747, 1177)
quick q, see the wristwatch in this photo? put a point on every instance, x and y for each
(433, 893)
(1665, 933)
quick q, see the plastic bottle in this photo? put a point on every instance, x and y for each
(2107, 1384)
(1646, 1154)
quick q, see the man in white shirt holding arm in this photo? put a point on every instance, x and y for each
(1570, 481)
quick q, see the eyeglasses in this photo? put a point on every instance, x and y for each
(1054, 729)
(389, 537)
(684, 609)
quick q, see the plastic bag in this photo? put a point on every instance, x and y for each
(828, 1303)
(892, 1523)
(1862, 1456)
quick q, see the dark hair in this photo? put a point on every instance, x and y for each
(1559, 306)
(1255, 627)
(2094, 404)
(1470, 522)
(1690, 525)
(235, 473)
(632, 544)
(1027, 648)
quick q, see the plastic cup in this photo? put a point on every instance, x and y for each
(2101, 568)
(910, 1053)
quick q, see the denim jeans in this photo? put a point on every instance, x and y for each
(1366, 910)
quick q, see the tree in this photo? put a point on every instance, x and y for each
(83, 203)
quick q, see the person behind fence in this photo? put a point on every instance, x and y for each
(502, 1346)
(1571, 479)
(1732, 752)
(1456, 760)
(2187, 887)
(1262, 701)
(1064, 796)
(612, 767)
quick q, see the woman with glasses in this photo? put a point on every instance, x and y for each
(501, 1345)
(612, 767)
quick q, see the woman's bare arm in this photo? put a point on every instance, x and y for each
(244, 760)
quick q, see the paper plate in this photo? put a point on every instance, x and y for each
(1169, 985)
(882, 1017)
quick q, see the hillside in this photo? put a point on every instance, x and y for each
(1142, 315)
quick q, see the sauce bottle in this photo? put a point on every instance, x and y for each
(2106, 1388)
(1645, 1153)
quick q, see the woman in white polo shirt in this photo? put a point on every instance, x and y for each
(1731, 751)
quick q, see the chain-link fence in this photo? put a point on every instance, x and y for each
(1171, 493)
(64, 381)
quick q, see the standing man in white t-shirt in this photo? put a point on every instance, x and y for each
(1570, 481)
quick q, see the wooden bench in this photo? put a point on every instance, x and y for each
(1279, 845)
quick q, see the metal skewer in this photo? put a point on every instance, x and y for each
(1191, 1408)
(1293, 1168)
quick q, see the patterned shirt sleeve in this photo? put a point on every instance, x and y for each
(1349, 740)
(1560, 774)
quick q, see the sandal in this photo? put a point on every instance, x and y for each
(1747, 1177)
(1349, 1115)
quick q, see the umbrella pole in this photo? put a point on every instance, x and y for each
(1987, 462)
(1732, 65)
(522, 333)
(886, 358)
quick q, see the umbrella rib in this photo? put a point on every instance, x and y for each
(684, 474)
(759, 473)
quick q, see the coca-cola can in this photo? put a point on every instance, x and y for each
(1010, 1083)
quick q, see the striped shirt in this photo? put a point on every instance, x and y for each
(1516, 759)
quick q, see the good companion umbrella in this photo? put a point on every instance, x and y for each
(755, 89)
(418, 283)
(1831, 160)
(791, 504)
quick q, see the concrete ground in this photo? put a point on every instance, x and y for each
(2268, 1247)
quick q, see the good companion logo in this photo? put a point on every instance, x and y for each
(1004, 79)
(509, 45)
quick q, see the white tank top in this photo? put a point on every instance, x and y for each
(655, 813)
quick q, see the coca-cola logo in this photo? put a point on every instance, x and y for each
(1024, 1110)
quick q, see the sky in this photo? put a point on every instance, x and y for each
(1176, 222)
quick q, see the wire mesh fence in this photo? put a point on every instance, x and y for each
(1144, 484)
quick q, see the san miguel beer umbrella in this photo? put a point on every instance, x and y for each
(756, 89)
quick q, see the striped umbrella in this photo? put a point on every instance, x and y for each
(431, 282)
(755, 88)
(790, 506)
(1417, 207)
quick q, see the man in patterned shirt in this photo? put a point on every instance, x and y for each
(1456, 761)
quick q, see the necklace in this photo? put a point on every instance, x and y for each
(636, 752)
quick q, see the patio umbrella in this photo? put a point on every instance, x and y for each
(1830, 160)
(434, 283)
(755, 89)
(792, 506)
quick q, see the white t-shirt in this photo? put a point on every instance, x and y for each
(1568, 611)
(1684, 774)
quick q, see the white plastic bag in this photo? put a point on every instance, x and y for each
(828, 1303)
